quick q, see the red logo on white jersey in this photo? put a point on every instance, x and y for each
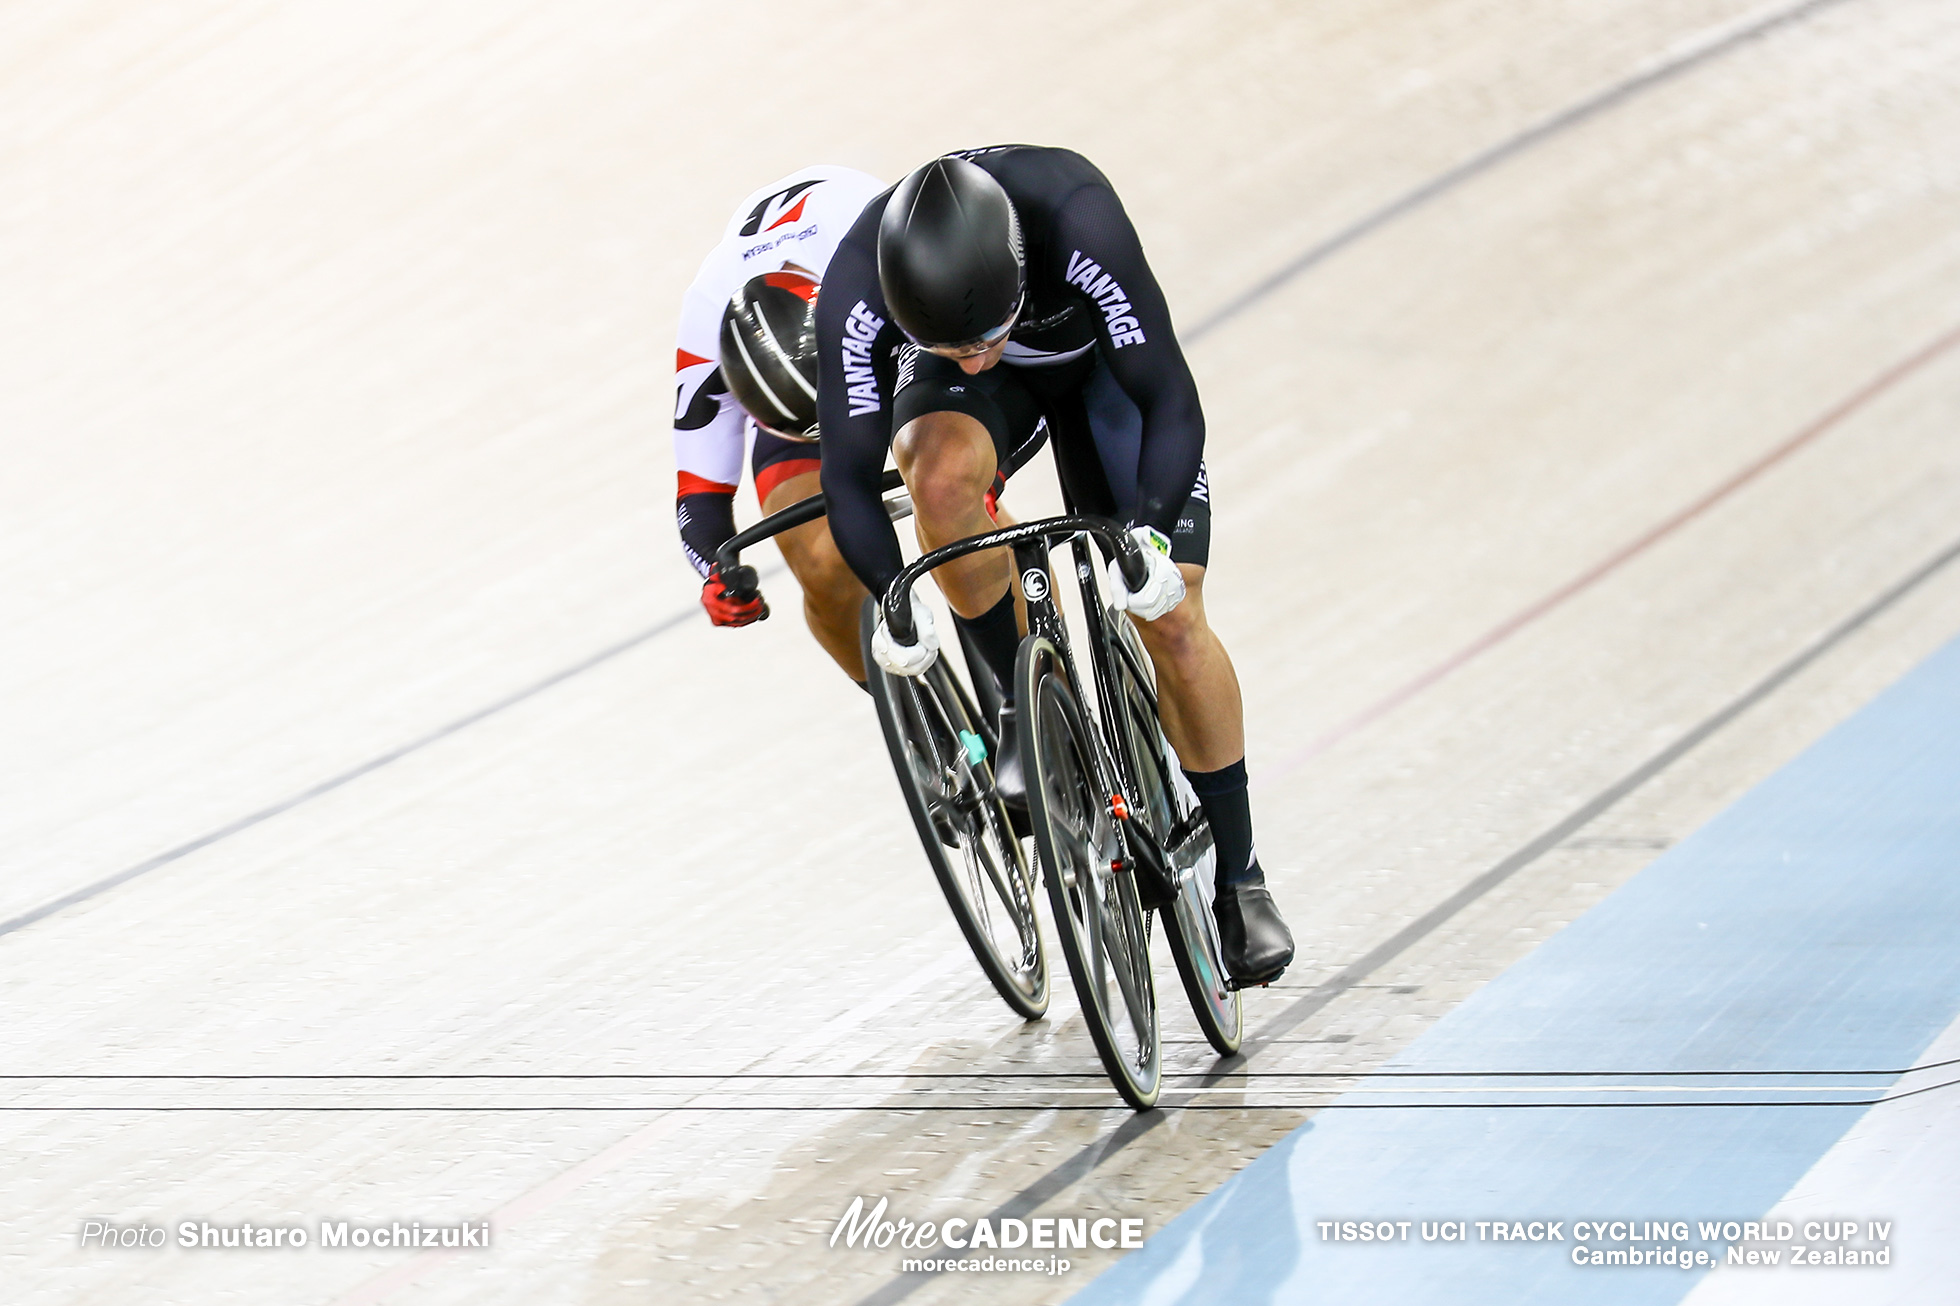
(783, 206)
(794, 215)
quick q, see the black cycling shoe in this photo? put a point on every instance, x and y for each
(1256, 944)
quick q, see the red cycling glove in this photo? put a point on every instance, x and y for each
(724, 609)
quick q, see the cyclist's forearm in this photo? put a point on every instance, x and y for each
(1173, 450)
(704, 512)
(858, 521)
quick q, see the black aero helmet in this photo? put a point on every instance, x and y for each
(769, 352)
(949, 256)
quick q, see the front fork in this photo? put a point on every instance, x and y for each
(1137, 847)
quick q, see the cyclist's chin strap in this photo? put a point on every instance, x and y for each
(998, 638)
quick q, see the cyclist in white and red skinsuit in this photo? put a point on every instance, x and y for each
(792, 223)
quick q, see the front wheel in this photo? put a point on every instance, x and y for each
(1102, 924)
(941, 758)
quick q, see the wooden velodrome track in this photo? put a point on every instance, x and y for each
(1582, 384)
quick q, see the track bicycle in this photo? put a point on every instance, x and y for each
(1118, 831)
(942, 745)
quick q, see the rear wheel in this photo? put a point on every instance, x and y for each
(1165, 803)
(941, 755)
(1100, 922)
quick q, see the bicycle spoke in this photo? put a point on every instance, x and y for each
(1093, 900)
(1008, 885)
(1076, 831)
(1188, 921)
(975, 858)
(1094, 918)
(1124, 958)
(1135, 996)
(977, 878)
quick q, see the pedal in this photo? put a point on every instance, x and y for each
(1235, 984)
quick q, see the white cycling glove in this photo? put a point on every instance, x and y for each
(1163, 583)
(907, 659)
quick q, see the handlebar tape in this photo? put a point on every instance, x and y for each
(1129, 555)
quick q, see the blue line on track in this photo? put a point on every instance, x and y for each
(1809, 927)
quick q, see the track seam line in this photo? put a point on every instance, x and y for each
(1084, 1162)
(347, 777)
(666, 1121)
(922, 1108)
(979, 1076)
(1321, 995)
(1080, 1165)
(1626, 553)
(1694, 51)
(1687, 55)
(1061, 1176)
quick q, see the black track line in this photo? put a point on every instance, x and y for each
(1085, 1161)
(1697, 53)
(1709, 46)
(977, 1077)
(1405, 938)
(1034, 1196)
(921, 1108)
(347, 777)
(1693, 56)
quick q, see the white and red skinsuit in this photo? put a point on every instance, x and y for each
(796, 220)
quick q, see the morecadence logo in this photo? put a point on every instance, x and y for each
(870, 1227)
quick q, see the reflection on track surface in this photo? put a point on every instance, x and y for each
(1696, 228)
(1041, 1090)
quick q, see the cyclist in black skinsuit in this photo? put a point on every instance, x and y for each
(986, 295)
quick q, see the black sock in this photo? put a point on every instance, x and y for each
(1223, 795)
(994, 633)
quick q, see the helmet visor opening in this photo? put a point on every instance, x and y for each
(981, 343)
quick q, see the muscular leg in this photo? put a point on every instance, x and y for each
(1197, 689)
(831, 594)
(1204, 718)
(947, 460)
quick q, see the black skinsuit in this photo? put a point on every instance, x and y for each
(1093, 312)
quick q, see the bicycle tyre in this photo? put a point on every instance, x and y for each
(1098, 918)
(1164, 802)
(990, 888)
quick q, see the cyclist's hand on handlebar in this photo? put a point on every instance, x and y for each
(1163, 584)
(907, 659)
(724, 609)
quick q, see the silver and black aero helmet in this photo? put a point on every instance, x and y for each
(769, 352)
(949, 256)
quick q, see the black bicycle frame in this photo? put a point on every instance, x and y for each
(1032, 543)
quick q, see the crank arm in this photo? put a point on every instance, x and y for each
(1189, 844)
(1148, 858)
